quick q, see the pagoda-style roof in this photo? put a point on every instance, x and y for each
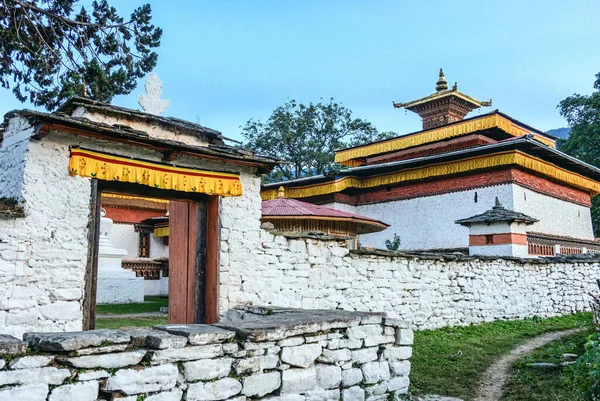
(494, 124)
(523, 152)
(285, 208)
(444, 106)
(497, 214)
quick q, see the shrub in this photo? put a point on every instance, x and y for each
(394, 244)
(586, 371)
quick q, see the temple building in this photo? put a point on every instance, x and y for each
(455, 167)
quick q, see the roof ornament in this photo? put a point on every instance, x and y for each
(441, 84)
(498, 204)
(455, 86)
(151, 102)
(281, 192)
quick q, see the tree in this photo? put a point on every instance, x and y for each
(49, 52)
(307, 137)
(583, 115)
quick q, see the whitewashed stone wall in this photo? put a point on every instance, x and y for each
(312, 356)
(43, 256)
(12, 157)
(427, 292)
(428, 222)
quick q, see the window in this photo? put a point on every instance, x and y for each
(144, 245)
(489, 239)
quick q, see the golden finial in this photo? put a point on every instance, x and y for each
(281, 192)
(441, 84)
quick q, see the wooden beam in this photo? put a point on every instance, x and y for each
(197, 249)
(91, 270)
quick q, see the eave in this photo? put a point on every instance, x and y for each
(170, 149)
(441, 95)
(494, 120)
(525, 152)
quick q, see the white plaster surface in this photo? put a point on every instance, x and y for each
(428, 222)
(157, 288)
(555, 216)
(13, 149)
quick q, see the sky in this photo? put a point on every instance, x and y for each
(225, 62)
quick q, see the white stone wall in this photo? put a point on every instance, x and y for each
(428, 222)
(43, 255)
(343, 357)
(157, 288)
(13, 149)
(428, 293)
(555, 216)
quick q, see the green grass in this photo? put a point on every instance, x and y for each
(150, 304)
(538, 384)
(450, 361)
(117, 323)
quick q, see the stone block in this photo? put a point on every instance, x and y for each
(399, 368)
(328, 376)
(374, 372)
(198, 334)
(323, 395)
(156, 339)
(2, 363)
(71, 341)
(28, 362)
(353, 394)
(10, 345)
(350, 344)
(364, 331)
(364, 355)
(397, 353)
(290, 342)
(185, 354)
(398, 383)
(376, 390)
(92, 375)
(301, 356)
(86, 391)
(296, 381)
(148, 380)
(372, 318)
(335, 356)
(35, 392)
(255, 364)
(47, 375)
(350, 377)
(207, 369)
(106, 361)
(216, 390)
(100, 350)
(404, 337)
(261, 384)
(378, 340)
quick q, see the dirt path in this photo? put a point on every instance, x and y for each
(496, 375)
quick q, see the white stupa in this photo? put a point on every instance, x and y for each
(115, 284)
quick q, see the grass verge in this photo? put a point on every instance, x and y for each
(450, 361)
(528, 383)
(117, 323)
(150, 304)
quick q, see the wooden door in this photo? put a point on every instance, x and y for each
(186, 261)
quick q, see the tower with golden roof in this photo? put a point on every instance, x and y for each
(443, 107)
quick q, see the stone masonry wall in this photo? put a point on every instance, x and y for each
(286, 356)
(43, 255)
(427, 291)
